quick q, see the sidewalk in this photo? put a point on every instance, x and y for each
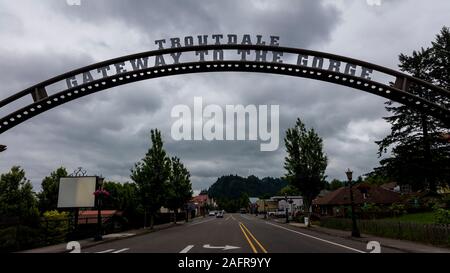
(407, 246)
(86, 243)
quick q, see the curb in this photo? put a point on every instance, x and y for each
(363, 239)
(90, 244)
(131, 236)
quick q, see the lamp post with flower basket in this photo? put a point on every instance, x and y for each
(100, 194)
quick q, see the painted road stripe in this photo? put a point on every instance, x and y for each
(257, 242)
(317, 238)
(248, 240)
(187, 249)
(106, 251)
(198, 223)
(121, 250)
(245, 217)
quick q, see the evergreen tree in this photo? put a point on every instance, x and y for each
(151, 175)
(305, 162)
(419, 156)
(179, 187)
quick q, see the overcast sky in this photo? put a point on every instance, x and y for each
(107, 132)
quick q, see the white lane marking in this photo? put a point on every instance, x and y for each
(227, 247)
(245, 217)
(313, 237)
(121, 250)
(105, 251)
(187, 249)
(202, 222)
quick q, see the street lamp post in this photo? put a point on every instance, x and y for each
(265, 209)
(99, 235)
(287, 210)
(355, 231)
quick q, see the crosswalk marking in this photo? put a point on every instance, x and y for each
(187, 249)
(113, 250)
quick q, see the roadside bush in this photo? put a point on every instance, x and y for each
(55, 226)
(397, 209)
(370, 210)
(19, 237)
(442, 216)
(436, 234)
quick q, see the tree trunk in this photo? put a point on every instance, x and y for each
(175, 211)
(145, 218)
(152, 220)
(430, 181)
(308, 206)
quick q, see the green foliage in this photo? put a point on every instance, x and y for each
(371, 210)
(334, 185)
(179, 190)
(20, 237)
(419, 157)
(17, 199)
(419, 232)
(48, 197)
(289, 190)
(56, 226)
(376, 178)
(305, 162)
(151, 175)
(230, 187)
(442, 216)
(397, 209)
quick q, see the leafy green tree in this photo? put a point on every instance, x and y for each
(418, 155)
(305, 162)
(289, 190)
(17, 199)
(179, 187)
(151, 175)
(335, 184)
(48, 197)
(244, 200)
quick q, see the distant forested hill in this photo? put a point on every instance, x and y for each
(234, 186)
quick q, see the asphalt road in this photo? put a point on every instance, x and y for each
(235, 233)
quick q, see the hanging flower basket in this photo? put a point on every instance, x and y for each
(101, 193)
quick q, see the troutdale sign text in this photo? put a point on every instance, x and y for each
(219, 55)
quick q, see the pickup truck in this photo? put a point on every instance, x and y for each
(279, 213)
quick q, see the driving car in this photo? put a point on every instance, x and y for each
(212, 213)
(219, 214)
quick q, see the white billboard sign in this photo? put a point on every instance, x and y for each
(77, 192)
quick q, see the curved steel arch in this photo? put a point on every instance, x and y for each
(403, 90)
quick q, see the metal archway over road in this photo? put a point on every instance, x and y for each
(273, 59)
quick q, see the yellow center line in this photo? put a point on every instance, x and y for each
(257, 242)
(248, 239)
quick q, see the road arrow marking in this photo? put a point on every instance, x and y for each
(187, 249)
(227, 247)
(121, 250)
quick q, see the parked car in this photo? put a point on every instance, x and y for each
(212, 213)
(219, 214)
(278, 213)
